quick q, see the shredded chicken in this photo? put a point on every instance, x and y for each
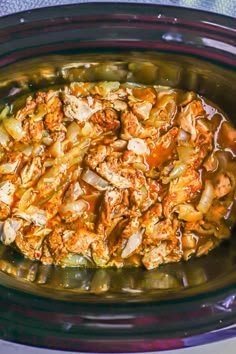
(109, 174)
(98, 155)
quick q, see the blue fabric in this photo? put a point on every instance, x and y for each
(226, 7)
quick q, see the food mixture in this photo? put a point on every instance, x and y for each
(109, 174)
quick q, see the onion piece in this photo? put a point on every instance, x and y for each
(4, 136)
(4, 112)
(189, 240)
(74, 260)
(7, 189)
(75, 155)
(26, 199)
(10, 228)
(73, 131)
(187, 212)
(207, 197)
(183, 135)
(22, 215)
(133, 243)
(74, 191)
(47, 140)
(42, 232)
(186, 153)
(185, 98)
(57, 172)
(87, 129)
(138, 146)
(9, 167)
(41, 112)
(104, 88)
(14, 128)
(100, 252)
(38, 216)
(119, 145)
(205, 248)
(56, 149)
(95, 180)
(71, 211)
(38, 150)
(33, 215)
(27, 150)
(178, 170)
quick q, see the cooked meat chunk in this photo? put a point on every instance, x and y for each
(97, 155)
(113, 206)
(141, 109)
(4, 211)
(36, 129)
(27, 110)
(56, 245)
(116, 179)
(188, 118)
(80, 241)
(107, 119)
(182, 189)
(31, 172)
(158, 255)
(53, 119)
(151, 218)
(80, 109)
(132, 128)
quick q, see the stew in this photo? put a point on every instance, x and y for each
(110, 174)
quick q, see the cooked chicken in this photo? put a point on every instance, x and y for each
(80, 241)
(132, 128)
(141, 109)
(113, 205)
(181, 190)
(31, 172)
(36, 130)
(27, 110)
(106, 171)
(53, 119)
(110, 174)
(56, 245)
(80, 109)
(188, 117)
(107, 119)
(151, 218)
(30, 241)
(158, 255)
(97, 155)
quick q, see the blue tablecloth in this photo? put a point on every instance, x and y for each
(226, 7)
